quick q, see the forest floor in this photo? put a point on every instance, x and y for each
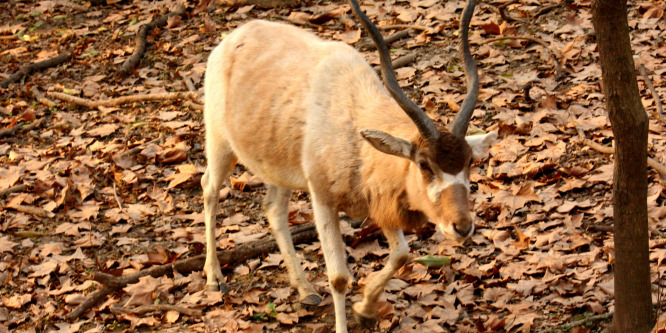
(116, 189)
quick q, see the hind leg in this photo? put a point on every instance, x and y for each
(220, 161)
(276, 210)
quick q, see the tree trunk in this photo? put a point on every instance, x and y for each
(633, 303)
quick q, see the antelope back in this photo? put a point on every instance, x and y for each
(290, 104)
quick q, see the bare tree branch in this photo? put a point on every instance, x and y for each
(38, 66)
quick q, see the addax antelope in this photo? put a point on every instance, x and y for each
(311, 115)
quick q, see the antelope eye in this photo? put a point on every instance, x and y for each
(424, 166)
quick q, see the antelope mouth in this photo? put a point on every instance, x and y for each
(449, 230)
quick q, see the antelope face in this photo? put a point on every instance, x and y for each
(438, 176)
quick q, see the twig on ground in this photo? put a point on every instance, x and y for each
(261, 3)
(152, 308)
(655, 95)
(40, 98)
(14, 189)
(32, 125)
(141, 36)
(26, 70)
(555, 61)
(501, 9)
(576, 323)
(405, 26)
(601, 228)
(32, 210)
(367, 43)
(505, 16)
(651, 162)
(400, 62)
(548, 8)
(300, 234)
(19, 128)
(115, 195)
(140, 147)
(654, 164)
(11, 130)
(296, 22)
(189, 84)
(195, 106)
(122, 100)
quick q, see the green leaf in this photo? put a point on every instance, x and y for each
(259, 316)
(432, 261)
(272, 307)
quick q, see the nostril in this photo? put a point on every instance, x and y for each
(462, 230)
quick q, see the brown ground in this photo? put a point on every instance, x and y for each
(540, 257)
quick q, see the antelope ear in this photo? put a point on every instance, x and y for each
(481, 143)
(387, 143)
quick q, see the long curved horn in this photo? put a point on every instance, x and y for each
(460, 123)
(425, 125)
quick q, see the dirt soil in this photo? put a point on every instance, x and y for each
(116, 188)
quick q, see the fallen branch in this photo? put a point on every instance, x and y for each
(14, 189)
(32, 125)
(194, 106)
(189, 84)
(141, 36)
(367, 43)
(601, 228)
(505, 16)
(654, 164)
(115, 195)
(501, 9)
(152, 308)
(142, 146)
(655, 95)
(11, 130)
(400, 62)
(651, 162)
(546, 9)
(405, 26)
(38, 66)
(261, 3)
(300, 234)
(577, 323)
(19, 128)
(122, 100)
(296, 22)
(558, 68)
(40, 98)
(32, 210)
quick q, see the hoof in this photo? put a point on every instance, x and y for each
(364, 321)
(218, 287)
(312, 300)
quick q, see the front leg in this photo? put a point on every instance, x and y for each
(366, 310)
(330, 236)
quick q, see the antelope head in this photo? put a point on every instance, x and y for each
(437, 181)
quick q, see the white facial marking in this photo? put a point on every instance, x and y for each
(444, 180)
